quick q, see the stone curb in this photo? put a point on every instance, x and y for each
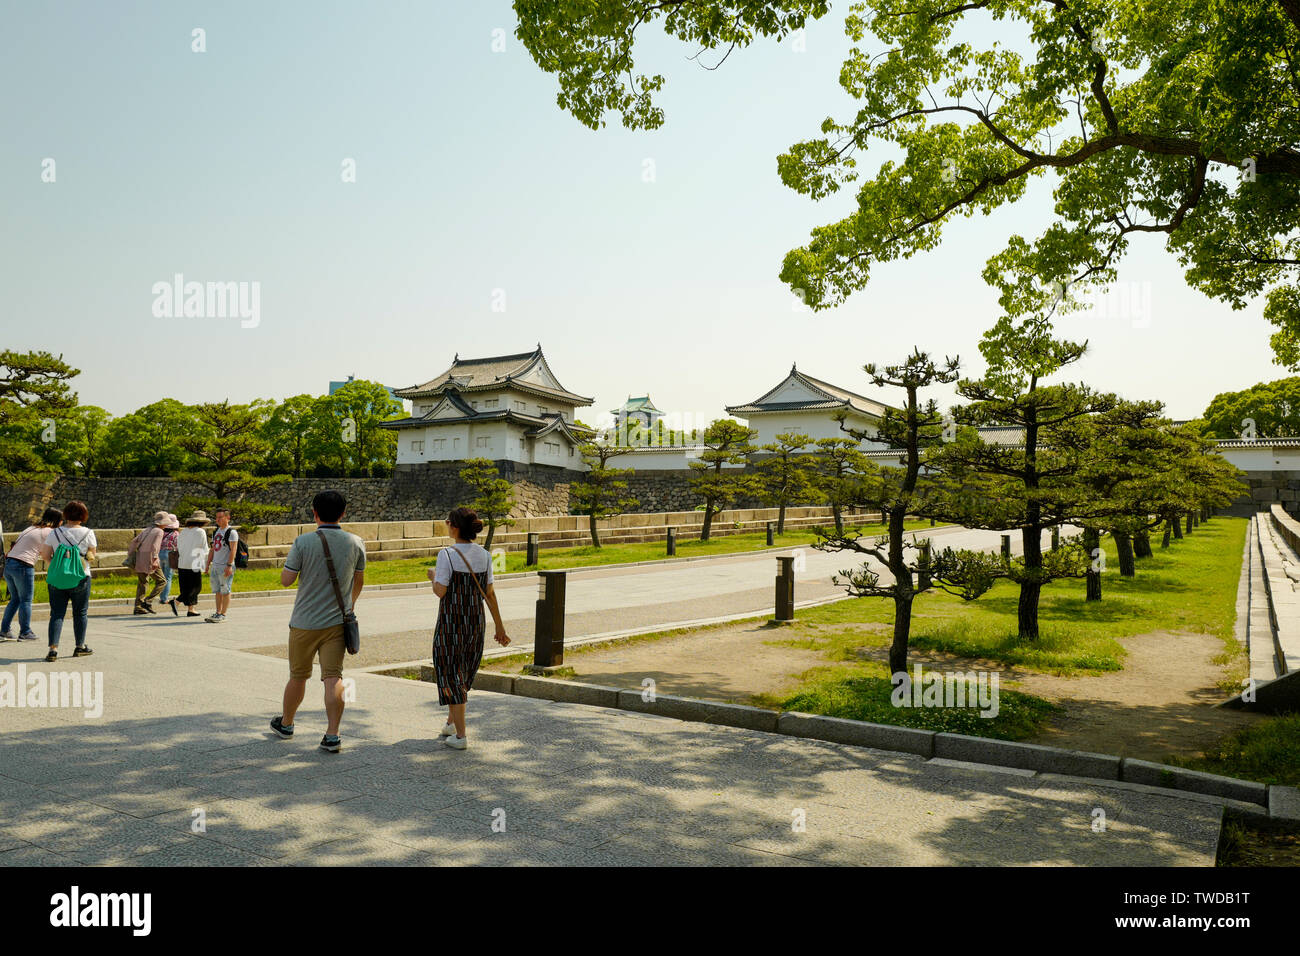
(1282, 802)
(1179, 778)
(1072, 763)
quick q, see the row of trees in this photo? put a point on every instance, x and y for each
(44, 430)
(1089, 459)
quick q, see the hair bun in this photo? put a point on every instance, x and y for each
(478, 525)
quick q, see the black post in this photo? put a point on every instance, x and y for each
(770, 540)
(785, 588)
(1056, 538)
(533, 537)
(923, 566)
(1006, 549)
(672, 542)
(548, 640)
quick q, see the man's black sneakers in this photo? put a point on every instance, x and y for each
(280, 728)
(82, 651)
(330, 743)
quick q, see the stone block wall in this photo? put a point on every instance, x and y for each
(1265, 489)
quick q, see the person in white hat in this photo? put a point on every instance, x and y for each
(148, 567)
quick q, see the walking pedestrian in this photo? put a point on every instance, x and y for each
(68, 551)
(329, 565)
(192, 559)
(148, 568)
(221, 565)
(20, 575)
(462, 579)
(168, 561)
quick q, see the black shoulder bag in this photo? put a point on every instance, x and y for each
(351, 630)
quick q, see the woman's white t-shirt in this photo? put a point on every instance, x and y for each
(478, 558)
(192, 549)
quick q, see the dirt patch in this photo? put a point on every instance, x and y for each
(729, 664)
(1160, 704)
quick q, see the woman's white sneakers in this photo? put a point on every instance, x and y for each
(455, 743)
(447, 731)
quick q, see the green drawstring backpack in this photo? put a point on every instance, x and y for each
(66, 568)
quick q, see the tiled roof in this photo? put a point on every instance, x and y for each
(497, 371)
(636, 405)
(833, 397)
(1257, 443)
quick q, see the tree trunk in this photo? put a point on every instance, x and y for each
(1031, 587)
(1164, 541)
(492, 529)
(780, 520)
(1028, 610)
(1188, 529)
(708, 521)
(1142, 544)
(838, 512)
(1124, 546)
(1178, 528)
(595, 531)
(1091, 544)
(902, 630)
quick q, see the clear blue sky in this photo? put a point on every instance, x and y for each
(225, 166)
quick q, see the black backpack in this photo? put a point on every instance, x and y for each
(241, 551)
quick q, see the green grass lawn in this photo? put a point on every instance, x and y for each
(1268, 752)
(1191, 586)
(407, 570)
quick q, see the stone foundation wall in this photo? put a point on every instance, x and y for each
(1264, 489)
(413, 493)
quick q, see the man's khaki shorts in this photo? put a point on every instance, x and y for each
(305, 643)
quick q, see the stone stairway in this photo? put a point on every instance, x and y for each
(1268, 613)
(1278, 535)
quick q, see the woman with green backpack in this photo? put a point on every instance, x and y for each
(67, 552)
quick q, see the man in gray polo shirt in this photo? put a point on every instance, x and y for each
(316, 625)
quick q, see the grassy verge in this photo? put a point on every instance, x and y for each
(408, 570)
(1267, 752)
(1191, 586)
(867, 695)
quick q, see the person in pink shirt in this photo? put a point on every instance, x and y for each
(20, 575)
(148, 566)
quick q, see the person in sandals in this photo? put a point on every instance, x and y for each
(462, 579)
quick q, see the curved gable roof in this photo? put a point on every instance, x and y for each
(817, 395)
(528, 371)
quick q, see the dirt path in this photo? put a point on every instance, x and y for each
(1160, 704)
(730, 664)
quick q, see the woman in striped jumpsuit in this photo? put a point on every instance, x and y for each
(462, 579)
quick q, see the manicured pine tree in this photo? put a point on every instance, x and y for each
(726, 442)
(493, 496)
(603, 494)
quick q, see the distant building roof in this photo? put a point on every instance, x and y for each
(819, 395)
(1257, 443)
(527, 371)
(641, 404)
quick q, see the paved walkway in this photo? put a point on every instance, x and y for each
(181, 740)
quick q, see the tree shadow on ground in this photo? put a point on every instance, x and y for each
(570, 785)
